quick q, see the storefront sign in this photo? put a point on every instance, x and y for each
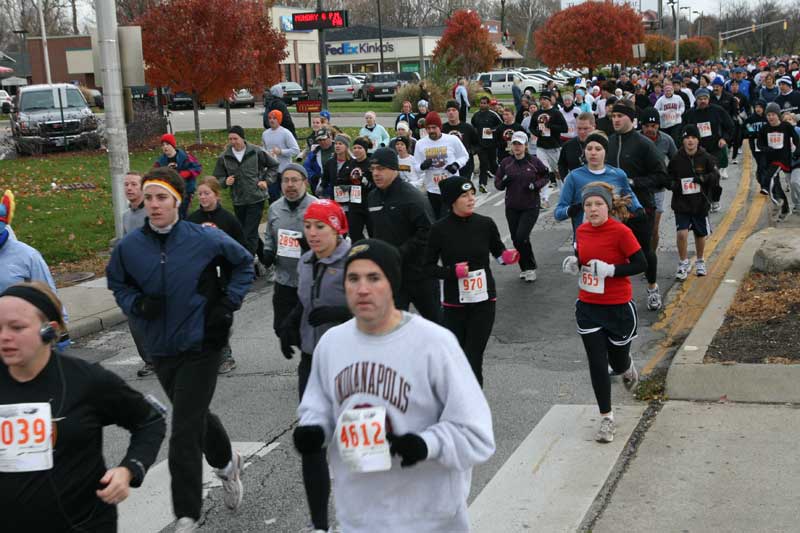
(319, 20)
(348, 48)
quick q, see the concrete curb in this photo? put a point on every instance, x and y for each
(95, 324)
(689, 378)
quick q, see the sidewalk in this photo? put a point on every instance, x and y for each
(91, 307)
(711, 464)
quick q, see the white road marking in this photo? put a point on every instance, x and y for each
(500, 202)
(148, 509)
(550, 481)
(132, 360)
(486, 198)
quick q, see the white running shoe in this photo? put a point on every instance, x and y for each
(630, 378)
(683, 270)
(185, 525)
(530, 276)
(232, 482)
(522, 274)
(700, 267)
(606, 431)
(714, 207)
(723, 173)
(653, 299)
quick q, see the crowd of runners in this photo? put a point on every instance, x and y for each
(359, 230)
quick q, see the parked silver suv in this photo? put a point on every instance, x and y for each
(56, 115)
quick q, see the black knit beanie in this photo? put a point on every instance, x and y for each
(382, 254)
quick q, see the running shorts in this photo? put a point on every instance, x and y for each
(699, 224)
(619, 321)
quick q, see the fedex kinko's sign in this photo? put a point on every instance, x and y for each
(347, 48)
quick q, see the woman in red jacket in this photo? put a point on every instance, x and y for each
(607, 254)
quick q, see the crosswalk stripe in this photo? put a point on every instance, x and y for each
(552, 478)
(148, 509)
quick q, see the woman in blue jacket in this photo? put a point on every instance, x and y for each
(569, 203)
(187, 166)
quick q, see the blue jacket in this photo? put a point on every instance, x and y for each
(578, 178)
(187, 166)
(142, 265)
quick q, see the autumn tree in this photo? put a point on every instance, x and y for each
(695, 48)
(589, 35)
(466, 45)
(658, 48)
(209, 47)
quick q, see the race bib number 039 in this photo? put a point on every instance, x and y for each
(589, 281)
(25, 437)
(361, 439)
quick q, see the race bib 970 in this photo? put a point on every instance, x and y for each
(361, 439)
(473, 288)
(25, 437)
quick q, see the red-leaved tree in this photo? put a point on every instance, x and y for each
(209, 47)
(695, 48)
(465, 44)
(658, 47)
(589, 35)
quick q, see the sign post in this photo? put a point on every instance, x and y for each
(321, 20)
(309, 106)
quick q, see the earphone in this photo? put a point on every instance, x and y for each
(48, 333)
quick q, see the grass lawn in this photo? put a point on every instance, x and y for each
(74, 225)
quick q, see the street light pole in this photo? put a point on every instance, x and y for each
(116, 132)
(323, 68)
(44, 43)
(380, 36)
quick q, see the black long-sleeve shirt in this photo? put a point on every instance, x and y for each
(83, 398)
(455, 239)
(777, 141)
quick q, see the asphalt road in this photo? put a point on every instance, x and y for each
(534, 360)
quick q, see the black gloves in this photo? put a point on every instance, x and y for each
(329, 314)
(573, 210)
(289, 337)
(428, 163)
(219, 319)
(149, 307)
(410, 447)
(308, 439)
(452, 168)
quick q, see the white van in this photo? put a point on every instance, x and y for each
(501, 81)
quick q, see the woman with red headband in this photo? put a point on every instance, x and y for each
(322, 306)
(54, 407)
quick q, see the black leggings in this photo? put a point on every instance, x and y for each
(472, 324)
(358, 220)
(316, 478)
(487, 159)
(436, 205)
(642, 228)
(520, 224)
(601, 353)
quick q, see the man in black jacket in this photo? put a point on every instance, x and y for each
(548, 125)
(571, 156)
(467, 134)
(401, 215)
(716, 131)
(638, 156)
(485, 121)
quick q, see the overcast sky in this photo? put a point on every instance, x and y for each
(709, 7)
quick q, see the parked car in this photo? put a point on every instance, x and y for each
(340, 87)
(544, 73)
(37, 123)
(242, 97)
(408, 77)
(6, 102)
(501, 81)
(181, 100)
(379, 85)
(292, 92)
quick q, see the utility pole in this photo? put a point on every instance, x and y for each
(323, 68)
(44, 43)
(380, 36)
(116, 133)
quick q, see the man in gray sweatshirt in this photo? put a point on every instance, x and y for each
(393, 397)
